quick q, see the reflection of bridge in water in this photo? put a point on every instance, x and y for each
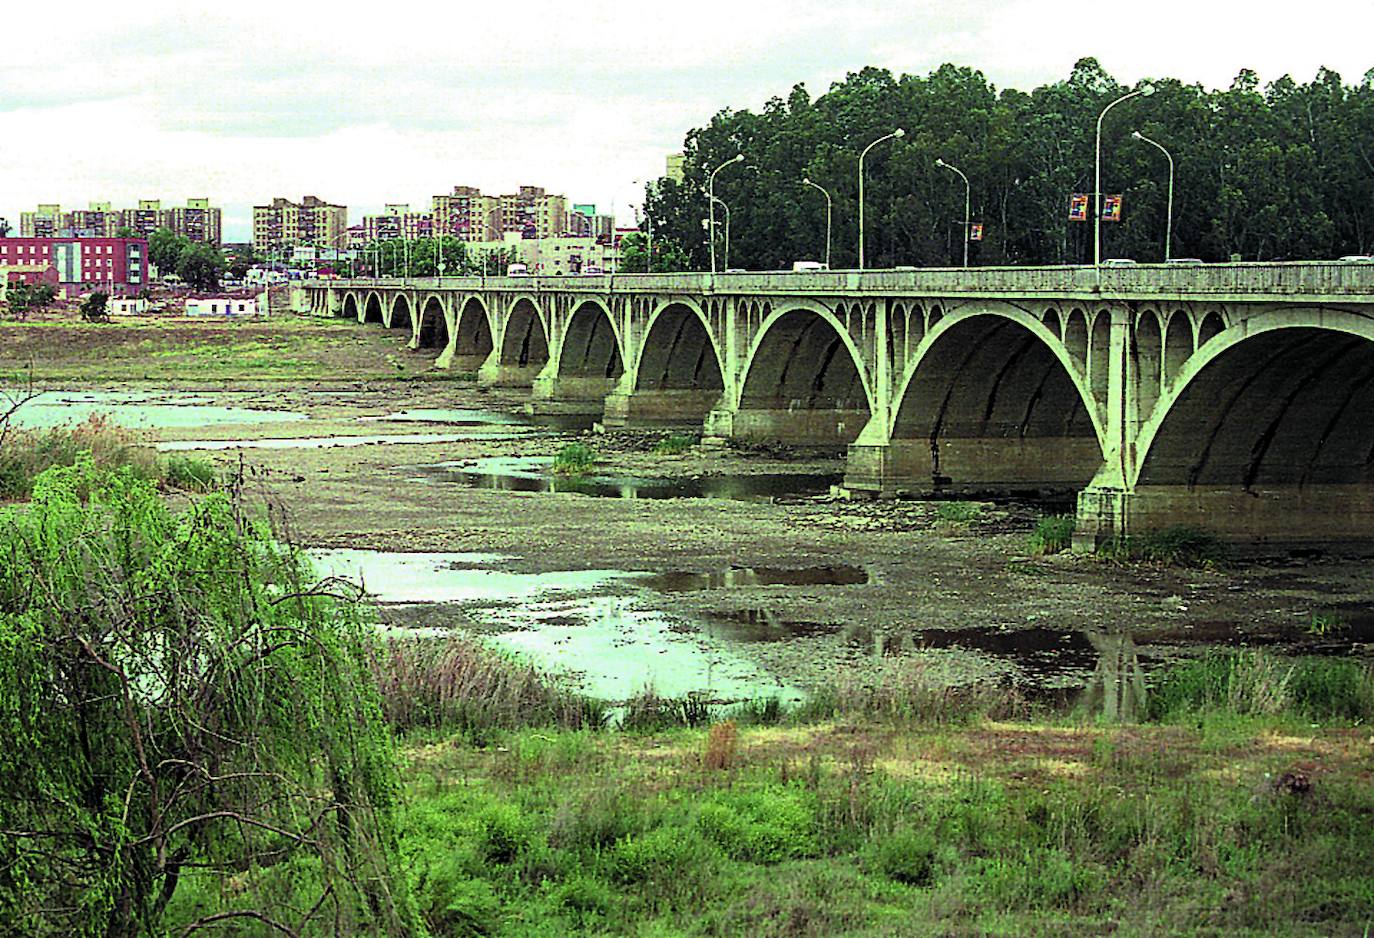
(1236, 398)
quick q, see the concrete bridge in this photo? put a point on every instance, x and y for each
(1237, 398)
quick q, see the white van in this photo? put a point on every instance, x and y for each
(517, 270)
(803, 266)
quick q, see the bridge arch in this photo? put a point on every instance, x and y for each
(372, 309)
(1281, 399)
(589, 359)
(472, 335)
(524, 343)
(678, 374)
(992, 398)
(350, 308)
(398, 316)
(434, 326)
(804, 380)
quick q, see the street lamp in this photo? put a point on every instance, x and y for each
(956, 169)
(899, 132)
(711, 191)
(1146, 90)
(808, 182)
(714, 200)
(1169, 216)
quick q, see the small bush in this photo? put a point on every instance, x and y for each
(1333, 689)
(958, 512)
(594, 821)
(907, 691)
(26, 453)
(575, 459)
(189, 474)
(767, 711)
(503, 833)
(1258, 683)
(646, 712)
(765, 826)
(587, 899)
(674, 444)
(905, 855)
(1052, 534)
(660, 855)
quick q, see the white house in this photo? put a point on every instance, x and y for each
(126, 306)
(222, 305)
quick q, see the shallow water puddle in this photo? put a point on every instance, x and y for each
(679, 581)
(533, 474)
(594, 625)
(134, 410)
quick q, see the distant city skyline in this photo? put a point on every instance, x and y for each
(246, 101)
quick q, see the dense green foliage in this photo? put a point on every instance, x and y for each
(25, 298)
(634, 255)
(575, 459)
(188, 731)
(1052, 534)
(420, 257)
(1283, 172)
(1250, 682)
(863, 829)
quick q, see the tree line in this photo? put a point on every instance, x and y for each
(1280, 172)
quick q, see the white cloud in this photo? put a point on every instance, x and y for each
(241, 102)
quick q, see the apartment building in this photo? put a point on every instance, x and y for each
(532, 212)
(198, 221)
(119, 266)
(466, 214)
(283, 223)
(398, 221)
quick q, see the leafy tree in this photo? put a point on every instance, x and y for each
(124, 231)
(164, 249)
(181, 709)
(5, 228)
(200, 265)
(634, 255)
(25, 298)
(95, 308)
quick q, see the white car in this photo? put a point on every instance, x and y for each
(807, 266)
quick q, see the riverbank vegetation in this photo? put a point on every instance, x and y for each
(26, 453)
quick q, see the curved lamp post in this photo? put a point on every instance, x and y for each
(1145, 90)
(711, 191)
(967, 201)
(808, 182)
(899, 132)
(1169, 214)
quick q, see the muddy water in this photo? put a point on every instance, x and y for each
(330, 442)
(155, 410)
(593, 626)
(534, 474)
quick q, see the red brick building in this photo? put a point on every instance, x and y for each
(118, 266)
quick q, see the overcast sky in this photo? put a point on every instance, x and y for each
(245, 100)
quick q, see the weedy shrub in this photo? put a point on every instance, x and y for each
(767, 711)
(958, 512)
(720, 747)
(663, 854)
(674, 444)
(575, 459)
(647, 712)
(764, 826)
(189, 474)
(1052, 534)
(1333, 689)
(1178, 546)
(908, 692)
(594, 820)
(1038, 879)
(25, 453)
(906, 855)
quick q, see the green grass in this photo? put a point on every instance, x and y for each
(575, 459)
(958, 512)
(1052, 534)
(867, 829)
(674, 444)
(1259, 683)
(1181, 546)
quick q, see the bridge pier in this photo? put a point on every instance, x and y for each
(553, 393)
(1286, 516)
(1036, 467)
(676, 407)
(792, 426)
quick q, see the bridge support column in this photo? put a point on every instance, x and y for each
(1032, 467)
(553, 393)
(1286, 516)
(793, 426)
(678, 407)
(495, 374)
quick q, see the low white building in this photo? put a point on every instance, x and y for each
(223, 305)
(126, 306)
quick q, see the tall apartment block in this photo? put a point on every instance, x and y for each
(198, 221)
(466, 214)
(533, 213)
(314, 221)
(397, 222)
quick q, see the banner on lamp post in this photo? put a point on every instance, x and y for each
(975, 231)
(1078, 206)
(1111, 208)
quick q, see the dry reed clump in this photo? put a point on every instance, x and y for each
(456, 683)
(24, 453)
(720, 747)
(909, 691)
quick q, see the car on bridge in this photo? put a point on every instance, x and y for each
(801, 266)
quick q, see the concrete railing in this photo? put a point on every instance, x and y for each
(1319, 279)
